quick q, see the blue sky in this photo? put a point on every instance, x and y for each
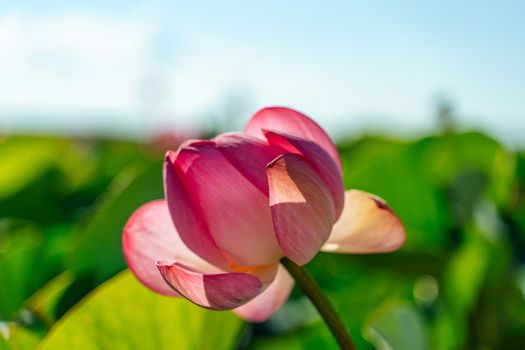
(137, 65)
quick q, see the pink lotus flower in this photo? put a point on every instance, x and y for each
(235, 205)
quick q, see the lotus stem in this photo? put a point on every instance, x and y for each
(321, 302)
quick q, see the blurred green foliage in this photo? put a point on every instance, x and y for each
(123, 314)
(459, 282)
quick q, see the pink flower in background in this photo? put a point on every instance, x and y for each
(235, 205)
(161, 140)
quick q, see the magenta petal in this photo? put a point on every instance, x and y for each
(318, 159)
(149, 235)
(187, 218)
(302, 207)
(249, 155)
(222, 291)
(367, 225)
(235, 211)
(268, 302)
(291, 122)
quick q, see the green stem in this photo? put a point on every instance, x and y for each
(321, 302)
(323, 305)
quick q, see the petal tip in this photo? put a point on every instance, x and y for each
(170, 156)
(221, 291)
(367, 225)
(275, 162)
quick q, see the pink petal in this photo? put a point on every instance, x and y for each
(187, 218)
(302, 207)
(268, 302)
(149, 235)
(222, 291)
(289, 121)
(249, 155)
(318, 159)
(367, 225)
(235, 212)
